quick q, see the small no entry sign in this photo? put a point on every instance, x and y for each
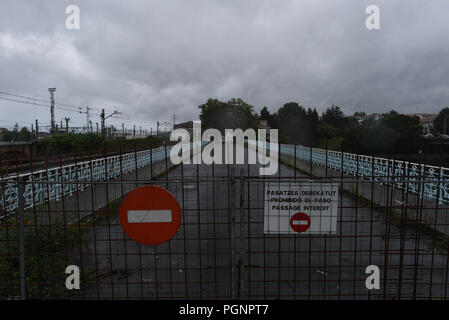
(300, 207)
(300, 222)
(150, 215)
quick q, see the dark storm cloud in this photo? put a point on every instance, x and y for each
(152, 58)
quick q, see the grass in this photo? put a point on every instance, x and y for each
(47, 254)
(48, 251)
(87, 143)
(440, 240)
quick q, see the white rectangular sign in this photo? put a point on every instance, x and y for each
(145, 216)
(300, 208)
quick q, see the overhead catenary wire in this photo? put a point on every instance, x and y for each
(41, 105)
(11, 97)
(35, 101)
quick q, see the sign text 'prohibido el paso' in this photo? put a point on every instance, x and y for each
(300, 208)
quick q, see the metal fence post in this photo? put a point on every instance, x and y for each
(21, 205)
(233, 266)
(242, 238)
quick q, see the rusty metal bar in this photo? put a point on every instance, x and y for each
(21, 223)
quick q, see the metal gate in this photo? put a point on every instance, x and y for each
(68, 215)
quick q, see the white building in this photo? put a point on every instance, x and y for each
(426, 121)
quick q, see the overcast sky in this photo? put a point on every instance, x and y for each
(150, 59)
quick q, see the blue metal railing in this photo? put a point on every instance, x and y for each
(38, 191)
(430, 181)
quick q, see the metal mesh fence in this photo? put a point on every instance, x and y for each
(221, 250)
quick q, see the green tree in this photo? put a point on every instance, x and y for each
(7, 135)
(335, 117)
(394, 133)
(17, 135)
(334, 125)
(441, 122)
(233, 114)
(408, 129)
(265, 114)
(24, 135)
(297, 125)
(271, 118)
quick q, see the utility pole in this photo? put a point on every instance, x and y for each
(103, 119)
(157, 128)
(37, 131)
(174, 120)
(52, 107)
(102, 124)
(67, 124)
(87, 119)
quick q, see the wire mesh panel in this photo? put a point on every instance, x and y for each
(223, 248)
(400, 232)
(411, 258)
(195, 263)
(83, 229)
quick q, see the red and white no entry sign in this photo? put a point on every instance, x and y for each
(300, 222)
(300, 207)
(150, 215)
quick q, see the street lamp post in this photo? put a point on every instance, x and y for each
(103, 119)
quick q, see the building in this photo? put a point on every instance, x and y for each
(362, 117)
(426, 121)
(185, 125)
(263, 124)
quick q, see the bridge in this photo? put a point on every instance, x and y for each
(221, 249)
